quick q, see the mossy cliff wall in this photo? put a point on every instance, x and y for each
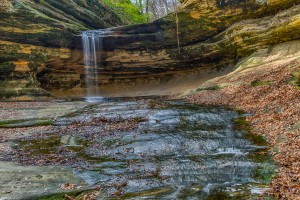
(34, 32)
(213, 37)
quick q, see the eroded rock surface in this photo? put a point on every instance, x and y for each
(137, 59)
(213, 39)
(32, 33)
(20, 182)
(138, 149)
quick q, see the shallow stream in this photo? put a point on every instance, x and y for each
(160, 150)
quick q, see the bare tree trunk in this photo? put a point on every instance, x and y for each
(140, 6)
(147, 9)
(154, 9)
(167, 6)
(177, 30)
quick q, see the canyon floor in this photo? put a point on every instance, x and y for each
(142, 147)
(129, 148)
(266, 86)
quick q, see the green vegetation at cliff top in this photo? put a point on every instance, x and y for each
(126, 11)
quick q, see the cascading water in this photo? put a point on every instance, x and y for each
(92, 42)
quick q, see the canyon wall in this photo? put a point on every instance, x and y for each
(35, 32)
(145, 59)
(213, 36)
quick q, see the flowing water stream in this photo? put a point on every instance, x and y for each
(178, 151)
(137, 149)
(159, 150)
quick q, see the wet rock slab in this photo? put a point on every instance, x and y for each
(174, 150)
(30, 182)
(178, 151)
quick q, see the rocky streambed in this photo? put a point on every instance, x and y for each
(129, 149)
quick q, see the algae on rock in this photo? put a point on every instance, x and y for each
(32, 33)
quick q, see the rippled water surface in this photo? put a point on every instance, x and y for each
(174, 150)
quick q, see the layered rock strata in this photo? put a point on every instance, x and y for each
(35, 32)
(136, 60)
(213, 36)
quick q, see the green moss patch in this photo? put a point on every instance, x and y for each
(215, 87)
(265, 173)
(25, 123)
(242, 125)
(78, 194)
(154, 192)
(6, 68)
(42, 146)
(296, 79)
(259, 83)
(266, 169)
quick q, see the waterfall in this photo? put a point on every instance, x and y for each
(92, 42)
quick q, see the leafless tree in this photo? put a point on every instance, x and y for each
(155, 9)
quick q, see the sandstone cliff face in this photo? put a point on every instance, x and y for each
(34, 32)
(52, 23)
(213, 35)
